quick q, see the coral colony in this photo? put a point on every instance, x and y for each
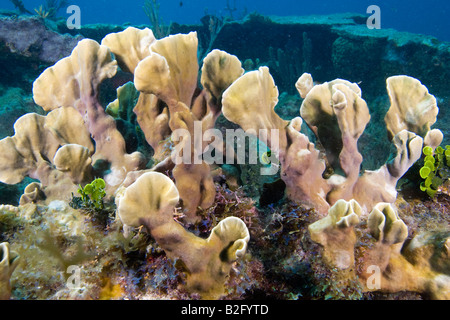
(173, 221)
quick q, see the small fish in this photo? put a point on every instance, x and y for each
(265, 157)
(181, 3)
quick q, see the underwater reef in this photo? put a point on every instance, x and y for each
(119, 180)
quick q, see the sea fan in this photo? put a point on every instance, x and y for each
(53, 6)
(19, 5)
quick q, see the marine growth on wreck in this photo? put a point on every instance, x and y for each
(146, 162)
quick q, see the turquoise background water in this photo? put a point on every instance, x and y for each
(430, 17)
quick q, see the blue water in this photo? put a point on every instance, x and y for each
(430, 17)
